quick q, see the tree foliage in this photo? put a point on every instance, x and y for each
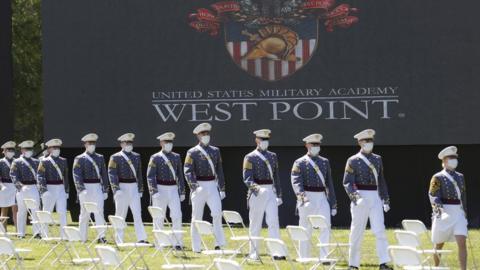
(27, 69)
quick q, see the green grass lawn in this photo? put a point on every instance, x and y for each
(369, 259)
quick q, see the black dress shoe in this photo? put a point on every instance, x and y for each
(37, 236)
(279, 258)
(352, 268)
(102, 240)
(218, 248)
(143, 242)
(178, 248)
(384, 266)
(21, 237)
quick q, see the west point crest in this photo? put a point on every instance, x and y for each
(272, 39)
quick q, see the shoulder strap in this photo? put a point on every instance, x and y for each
(130, 164)
(370, 165)
(457, 189)
(93, 163)
(6, 162)
(29, 167)
(316, 168)
(210, 162)
(59, 172)
(262, 157)
(169, 164)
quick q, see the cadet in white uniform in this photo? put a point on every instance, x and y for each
(365, 185)
(261, 175)
(167, 184)
(312, 183)
(91, 181)
(126, 180)
(7, 188)
(53, 181)
(204, 173)
(448, 196)
(24, 176)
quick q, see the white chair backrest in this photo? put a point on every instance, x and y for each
(117, 222)
(413, 225)
(108, 255)
(232, 217)
(2, 229)
(44, 217)
(163, 238)
(404, 256)
(6, 246)
(406, 238)
(203, 227)
(224, 264)
(91, 207)
(156, 212)
(318, 221)
(276, 247)
(72, 233)
(30, 204)
(298, 233)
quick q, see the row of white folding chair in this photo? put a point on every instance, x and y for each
(9, 252)
(159, 214)
(410, 259)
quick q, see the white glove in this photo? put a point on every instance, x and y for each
(24, 188)
(2, 187)
(182, 197)
(117, 194)
(279, 201)
(140, 194)
(82, 194)
(156, 195)
(105, 196)
(386, 208)
(334, 212)
(360, 201)
(66, 196)
(222, 195)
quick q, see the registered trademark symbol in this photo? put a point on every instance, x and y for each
(401, 115)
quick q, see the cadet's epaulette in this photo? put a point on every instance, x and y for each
(188, 159)
(247, 165)
(41, 168)
(152, 164)
(348, 169)
(112, 164)
(295, 168)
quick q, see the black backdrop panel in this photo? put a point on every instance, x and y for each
(6, 73)
(408, 171)
(408, 69)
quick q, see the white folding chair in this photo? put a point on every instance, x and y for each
(411, 239)
(109, 257)
(409, 258)
(277, 248)
(224, 264)
(158, 214)
(205, 228)
(119, 224)
(3, 230)
(233, 218)
(101, 230)
(298, 234)
(165, 245)
(31, 206)
(45, 220)
(9, 252)
(73, 236)
(320, 223)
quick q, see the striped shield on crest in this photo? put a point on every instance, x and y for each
(272, 52)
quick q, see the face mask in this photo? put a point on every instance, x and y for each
(314, 150)
(10, 154)
(28, 154)
(128, 148)
(452, 163)
(90, 148)
(168, 147)
(367, 147)
(56, 152)
(205, 139)
(263, 145)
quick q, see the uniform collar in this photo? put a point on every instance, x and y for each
(451, 172)
(203, 146)
(24, 157)
(126, 153)
(92, 154)
(261, 151)
(367, 154)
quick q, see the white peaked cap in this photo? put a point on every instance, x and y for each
(313, 138)
(91, 137)
(54, 143)
(26, 144)
(365, 134)
(168, 136)
(127, 137)
(448, 151)
(263, 133)
(201, 128)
